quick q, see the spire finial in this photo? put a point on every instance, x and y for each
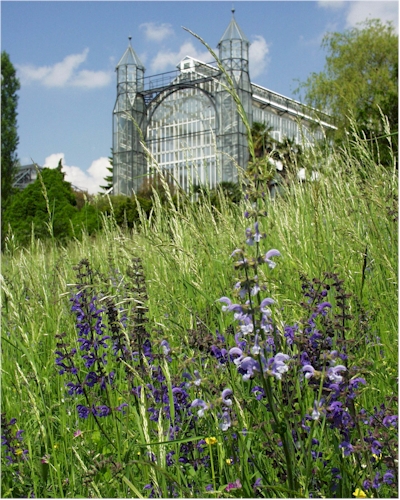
(129, 38)
(233, 10)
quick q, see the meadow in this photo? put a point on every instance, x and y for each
(245, 351)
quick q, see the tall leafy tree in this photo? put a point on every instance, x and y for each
(47, 206)
(9, 137)
(360, 80)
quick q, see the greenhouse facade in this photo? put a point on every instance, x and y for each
(186, 124)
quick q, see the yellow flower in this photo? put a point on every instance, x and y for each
(18, 451)
(211, 440)
(359, 493)
(229, 461)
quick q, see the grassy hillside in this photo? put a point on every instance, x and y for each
(129, 377)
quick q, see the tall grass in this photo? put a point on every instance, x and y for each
(164, 279)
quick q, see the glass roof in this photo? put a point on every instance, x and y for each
(233, 32)
(130, 57)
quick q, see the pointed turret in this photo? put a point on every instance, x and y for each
(130, 71)
(232, 139)
(129, 115)
(234, 49)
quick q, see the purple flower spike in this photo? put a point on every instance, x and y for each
(269, 255)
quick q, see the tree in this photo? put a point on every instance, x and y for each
(48, 204)
(9, 137)
(360, 80)
(110, 178)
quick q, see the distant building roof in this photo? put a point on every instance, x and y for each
(27, 174)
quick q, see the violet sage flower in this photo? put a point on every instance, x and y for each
(203, 406)
(268, 256)
(224, 395)
(333, 373)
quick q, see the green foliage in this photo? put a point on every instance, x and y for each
(110, 178)
(86, 219)
(262, 140)
(9, 137)
(360, 81)
(45, 208)
(123, 209)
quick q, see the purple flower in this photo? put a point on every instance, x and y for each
(277, 365)
(83, 411)
(91, 379)
(264, 306)
(376, 447)
(236, 355)
(234, 486)
(225, 393)
(255, 349)
(315, 413)
(257, 483)
(269, 255)
(333, 373)
(203, 406)
(390, 420)
(258, 392)
(321, 307)
(347, 448)
(101, 411)
(197, 380)
(388, 477)
(225, 421)
(247, 368)
(308, 370)
(121, 408)
(166, 348)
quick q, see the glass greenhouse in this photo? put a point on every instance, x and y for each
(186, 124)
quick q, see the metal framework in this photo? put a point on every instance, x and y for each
(186, 123)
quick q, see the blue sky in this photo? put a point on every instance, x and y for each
(65, 54)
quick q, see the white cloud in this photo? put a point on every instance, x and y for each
(157, 32)
(385, 11)
(357, 12)
(64, 73)
(89, 180)
(332, 4)
(167, 58)
(258, 56)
